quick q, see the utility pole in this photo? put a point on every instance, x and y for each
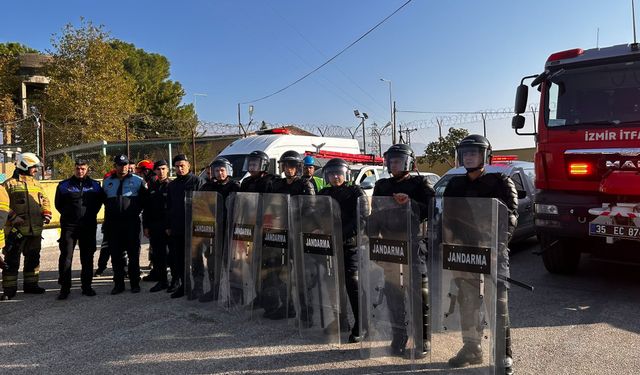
(394, 122)
(126, 135)
(43, 153)
(484, 124)
(239, 122)
(362, 117)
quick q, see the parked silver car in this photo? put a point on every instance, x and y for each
(521, 173)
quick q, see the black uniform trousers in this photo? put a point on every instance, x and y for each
(159, 242)
(177, 254)
(85, 237)
(124, 242)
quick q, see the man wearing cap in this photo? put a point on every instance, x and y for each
(78, 199)
(125, 196)
(154, 222)
(184, 183)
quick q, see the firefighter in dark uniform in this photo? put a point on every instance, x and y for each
(337, 176)
(30, 211)
(259, 180)
(154, 223)
(403, 187)
(184, 182)
(221, 171)
(125, 197)
(473, 153)
(78, 199)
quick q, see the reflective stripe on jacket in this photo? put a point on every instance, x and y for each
(27, 200)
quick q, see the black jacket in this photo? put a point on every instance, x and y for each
(347, 198)
(488, 185)
(78, 201)
(175, 200)
(299, 186)
(225, 188)
(155, 211)
(417, 188)
(262, 184)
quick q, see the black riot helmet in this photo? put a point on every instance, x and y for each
(222, 163)
(290, 159)
(336, 167)
(477, 150)
(256, 161)
(399, 159)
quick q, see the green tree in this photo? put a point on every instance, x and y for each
(90, 97)
(15, 49)
(9, 87)
(159, 109)
(443, 150)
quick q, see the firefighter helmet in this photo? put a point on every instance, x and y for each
(27, 160)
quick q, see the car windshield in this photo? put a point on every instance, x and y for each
(595, 95)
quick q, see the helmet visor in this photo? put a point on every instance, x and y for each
(397, 163)
(220, 169)
(254, 164)
(471, 157)
(336, 176)
(290, 168)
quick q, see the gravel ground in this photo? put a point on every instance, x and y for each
(585, 324)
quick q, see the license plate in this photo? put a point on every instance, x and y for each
(618, 231)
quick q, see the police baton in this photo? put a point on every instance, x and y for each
(516, 282)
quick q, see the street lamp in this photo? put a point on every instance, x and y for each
(362, 117)
(393, 120)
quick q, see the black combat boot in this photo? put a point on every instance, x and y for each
(470, 354)
(64, 293)
(8, 294)
(161, 285)
(33, 289)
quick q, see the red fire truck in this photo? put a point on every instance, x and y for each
(588, 155)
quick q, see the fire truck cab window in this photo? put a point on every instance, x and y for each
(594, 95)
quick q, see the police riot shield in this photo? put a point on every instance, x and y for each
(204, 239)
(243, 253)
(466, 236)
(390, 280)
(273, 284)
(319, 271)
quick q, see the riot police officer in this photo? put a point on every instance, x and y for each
(403, 187)
(290, 165)
(274, 291)
(337, 175)
(259, 180)
(221, 171)
(308, 171)
(473, 153)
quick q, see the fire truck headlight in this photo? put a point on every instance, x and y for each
(549, 209)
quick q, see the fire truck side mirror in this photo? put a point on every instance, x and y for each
(517, 122)
(522, 94)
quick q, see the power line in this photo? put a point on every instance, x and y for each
(331, 59)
